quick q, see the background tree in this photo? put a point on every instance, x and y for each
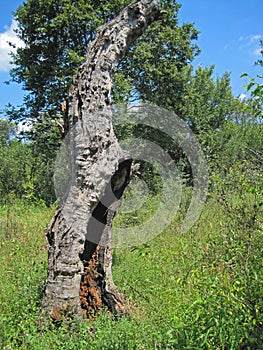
(206, 102)
(56, 34)
(26, 168)
(6, 131)
(156, 69)
(15, 163)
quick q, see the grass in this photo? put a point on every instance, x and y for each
(197, 290)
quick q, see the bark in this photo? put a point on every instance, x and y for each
(79, 235)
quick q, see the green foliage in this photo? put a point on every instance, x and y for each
(235, 142)
(6, 131)
(56, 35)
(255, 88)
(197, 290)
(153, 65)
(255, 103)
(206, 102)
(15, 161)
(25, 168)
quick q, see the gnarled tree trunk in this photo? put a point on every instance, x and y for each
(79, 235)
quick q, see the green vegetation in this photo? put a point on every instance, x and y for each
(26, 169)
(196, 290)
(56, 34)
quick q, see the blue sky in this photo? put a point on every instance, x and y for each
(229, 39)
(229, 36)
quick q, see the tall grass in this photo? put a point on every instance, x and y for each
(197, 290)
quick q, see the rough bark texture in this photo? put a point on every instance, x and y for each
(79, 271)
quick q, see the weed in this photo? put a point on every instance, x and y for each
(198, 290)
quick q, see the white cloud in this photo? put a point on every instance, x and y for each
(251, 44)
(255, 38)
(24, 127)
(8, 36)
(242, 97)
(257, 51)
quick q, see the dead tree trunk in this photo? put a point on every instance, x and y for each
(79, 235)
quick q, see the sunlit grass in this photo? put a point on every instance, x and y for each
(196, 290)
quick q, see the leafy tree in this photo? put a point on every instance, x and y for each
(156, 69)
(151, 70)
(56, 34)
(15, 160)
(255, 88)
(6, 131)
(255, 102)
(206, 102)
(25, 167)
(238, 144)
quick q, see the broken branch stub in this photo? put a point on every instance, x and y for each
(79, 251)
